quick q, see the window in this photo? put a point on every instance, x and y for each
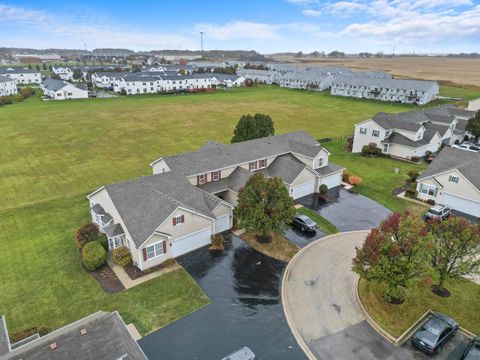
(385, 148)
(177, 220)
(428, 190)
(262, 163)
(419, 136)
(387, 133)
(252, 166)
(216, 175)
(321, 162)
(453, 178)
(363, 131)
(201, 179)
(375, 133)
(154, 250)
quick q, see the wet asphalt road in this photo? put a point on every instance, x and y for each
(347, 210)
(244, 288)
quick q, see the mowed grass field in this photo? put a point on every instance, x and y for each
(54, 153)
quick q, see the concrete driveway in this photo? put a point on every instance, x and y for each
(319, 303)
(347, 210)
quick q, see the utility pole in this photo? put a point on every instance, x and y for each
(201, 41)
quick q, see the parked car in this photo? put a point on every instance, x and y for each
(435, 333)
(472, 352)
(465, 147)
(243, 354)
(304, 223)
(438, 212)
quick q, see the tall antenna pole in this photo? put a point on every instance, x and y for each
(201, 41)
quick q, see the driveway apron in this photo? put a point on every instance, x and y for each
(244, 288)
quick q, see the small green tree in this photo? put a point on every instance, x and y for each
(394, 254)
(44, 66)
(456, 250)
(253, 127)
(265, 206)
(93, 255)
(473, 126)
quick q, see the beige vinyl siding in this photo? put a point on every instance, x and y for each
(222, 209)
(303, 177)
(429, 182)
(360, 140)
(160, 167)
(159, 259)
(305, 159)
(230, 197)
(463, 188)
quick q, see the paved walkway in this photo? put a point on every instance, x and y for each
(129, 283)
(319, 303)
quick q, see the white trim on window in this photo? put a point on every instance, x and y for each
(376, 133)
(363, 131)
(453, 178)
(156, 250)
(429, 190)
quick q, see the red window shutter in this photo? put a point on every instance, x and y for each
(164, 247)
(174, 221)
(182, 219)
(219, 174)
(144, 254)
(198, 179)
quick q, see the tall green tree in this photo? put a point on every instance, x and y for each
(265, 206)
(473, 126)
(253, 127)
(394, 254)
(456, 250)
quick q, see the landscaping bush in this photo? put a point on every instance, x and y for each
(412, 174)
(355, 180)
(93, 255)
(428, 153)
(18, 98)
(371, 150)
(431, 202)
(411, 191)
(415, 159)
(123, 92)
(6, 100)
(103, 241)
(346, 175)
(27, 92)
(121, 256)
(86, 233)
(323, 189)
(217, 243)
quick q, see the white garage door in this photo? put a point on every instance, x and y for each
(304, 189)
(191, 242)
(464, 205)
(222, 224)
(332, 180)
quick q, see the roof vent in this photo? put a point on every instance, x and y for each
(53, 346)
(83, 332)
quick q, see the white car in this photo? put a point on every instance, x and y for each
(466, 147)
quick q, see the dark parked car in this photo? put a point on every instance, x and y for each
(438, 329)
(304, 223)
(472, 352)
(438, 212)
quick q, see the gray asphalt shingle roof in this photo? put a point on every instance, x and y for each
(401, 84)
(98, 209)
(18, 70)
(287, 167)
(399, 139)
(113, 230)
(409, 121)
(329, 169)
(5, 79)
(217, 157)
(106, 338)
(145, 203)
(466, 162)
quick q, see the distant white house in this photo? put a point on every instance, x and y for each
(106, 80)
(412, 133)
(7, 86)
(395, 90)
(22, 75)
(261, 76)
(62, 90)
(228, 81)
(64, 73)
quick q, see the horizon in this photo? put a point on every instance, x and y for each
(268, 27)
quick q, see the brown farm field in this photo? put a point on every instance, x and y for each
(459, 71)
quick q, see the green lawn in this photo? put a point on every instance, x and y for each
(54, 153)
(323, 224)
(462, 305)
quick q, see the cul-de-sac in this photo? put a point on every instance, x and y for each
(283, 179)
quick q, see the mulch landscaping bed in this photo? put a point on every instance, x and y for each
(135, 273)
(107, 279)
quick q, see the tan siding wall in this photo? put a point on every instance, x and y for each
(463, 188)
(425, 196)
(304, 176)
(160, 259)
(305, 159)
(360, 140)
(408, 134)
(404, 151)
(222, 209)
(231, 198)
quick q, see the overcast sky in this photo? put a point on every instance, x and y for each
(426, 26)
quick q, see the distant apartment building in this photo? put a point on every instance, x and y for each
(419, 92)
(261, 76)
(22, 75)
(64, 73)
(307, 80)
(7, 86)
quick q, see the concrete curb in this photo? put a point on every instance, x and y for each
(286, 274)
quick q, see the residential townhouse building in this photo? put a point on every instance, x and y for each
(394, 90)
(453, 179)
(148, 84)
(64, 73)
(307, 80)
(137, 84)
(106, 80)
(191, 196)
(412, 133)
(228, 81)
(262, 76)
(7, 86)
(23, 76)
(63, 90)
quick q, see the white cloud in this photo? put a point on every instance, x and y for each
(238, 30)
(311, 12)
(96, 35)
